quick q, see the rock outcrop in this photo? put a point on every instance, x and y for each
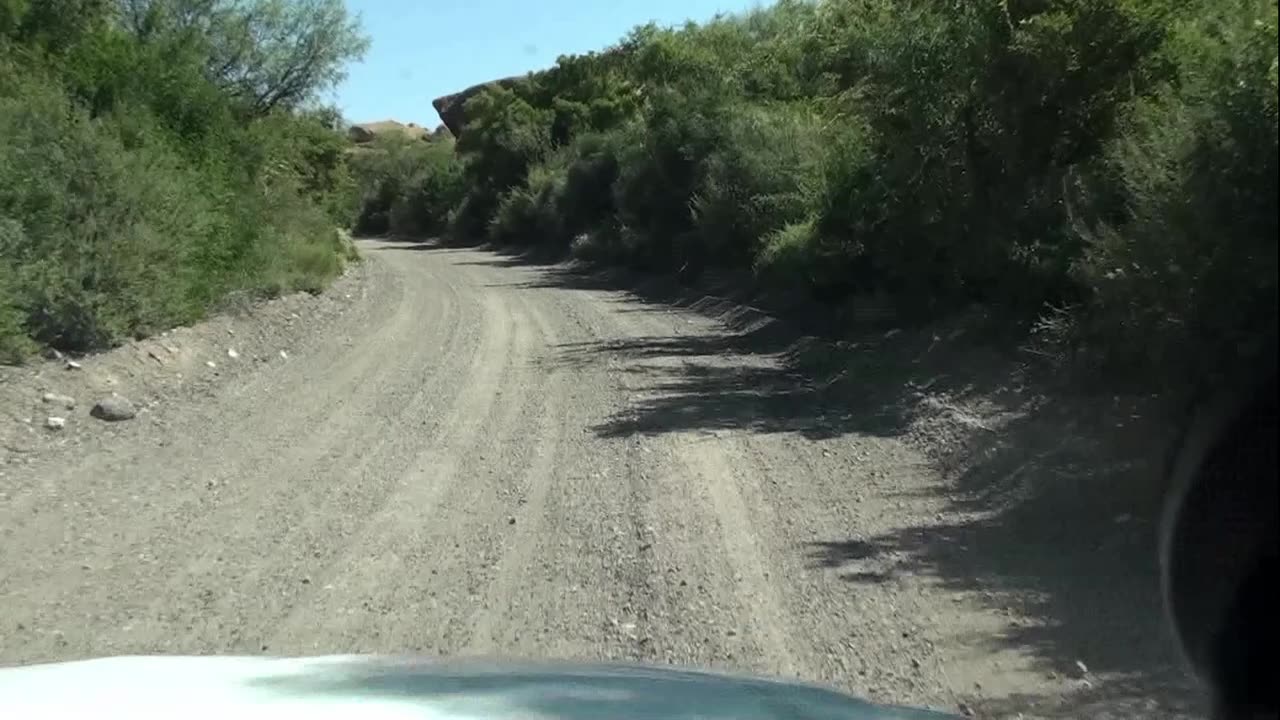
(450, 106)
(362, 133)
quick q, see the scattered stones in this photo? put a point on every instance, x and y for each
(114, 409)
(55, 423)
(73, 365)
(231, 353)
(64, 401)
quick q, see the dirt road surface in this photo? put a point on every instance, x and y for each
(482, 458)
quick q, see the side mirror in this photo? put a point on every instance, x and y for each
(1219, 551)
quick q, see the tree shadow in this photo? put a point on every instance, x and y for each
(405, 246)
(766, 377)
(1053, 521)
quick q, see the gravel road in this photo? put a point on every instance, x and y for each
(480, 459)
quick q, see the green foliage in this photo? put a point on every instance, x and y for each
(591, 169)
(765, 176)
(790, 253)
(1108, 165)
(408, 186)
(528, 214)
(976, 114)
(1187, 280)
(93, 258)
(505, 137)
(135, 191)
(429, 194)
(264, 55)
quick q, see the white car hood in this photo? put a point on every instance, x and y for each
(382, 688)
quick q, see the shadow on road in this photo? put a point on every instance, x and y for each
(1056, 525)
(1053, 512)
(408, 245)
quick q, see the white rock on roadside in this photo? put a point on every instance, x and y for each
(73, 365)
(65, 401)
(55, 423)
(114, 409)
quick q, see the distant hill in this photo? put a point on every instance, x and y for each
(361, 133)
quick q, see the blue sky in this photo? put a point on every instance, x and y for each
(423, 49)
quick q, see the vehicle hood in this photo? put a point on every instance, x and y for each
(381, 688)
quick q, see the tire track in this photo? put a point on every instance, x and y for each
(384, 569)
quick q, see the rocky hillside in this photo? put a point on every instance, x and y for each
(363, 133)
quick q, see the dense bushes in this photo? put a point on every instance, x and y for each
(1107, 166)
(408, 185)
(1186, 277)
(136, 189)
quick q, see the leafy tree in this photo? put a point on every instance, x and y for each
(267, 54)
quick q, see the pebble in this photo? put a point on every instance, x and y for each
(73, 365)
(55, 423)
(65, 401)
(231, 353)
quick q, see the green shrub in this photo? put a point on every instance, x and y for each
(764, 175)
(114, 234)
(408, 186)
(15, 345)
(1185, 283)
(790, 253)
(976, 115)
(425, 197)
(529, 214)
(660, 175)
(506, 137)
(95, 256)
(154, 162)
(592, 164)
